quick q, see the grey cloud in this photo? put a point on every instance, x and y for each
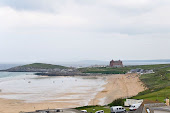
(84, 29)
(33, 5)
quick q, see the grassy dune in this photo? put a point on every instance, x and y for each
(158, 85)
(159, 95)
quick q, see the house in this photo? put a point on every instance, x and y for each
(141, 71)
(116, 63)
(98, 66)
(152, 107)
(137, 70)
(162, 109)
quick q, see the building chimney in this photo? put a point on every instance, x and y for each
(167, 101)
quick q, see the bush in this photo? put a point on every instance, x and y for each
(117, 102)
(149, 91)
(144, 92)
(85, 107)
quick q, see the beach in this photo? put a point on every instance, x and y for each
(119, 86)
(102, 90)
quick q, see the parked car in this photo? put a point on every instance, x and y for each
(100, 111)
(134, 107)
(117, 109)
(85, 111)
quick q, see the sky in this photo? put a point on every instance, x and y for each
(75, 30)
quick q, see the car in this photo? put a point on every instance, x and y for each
(117, 109)
(85, 111)
(100, 111)
(134, 107)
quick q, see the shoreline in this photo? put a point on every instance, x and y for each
(116, 86)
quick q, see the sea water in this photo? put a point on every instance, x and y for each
(32, 88)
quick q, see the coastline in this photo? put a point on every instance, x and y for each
(116, 86)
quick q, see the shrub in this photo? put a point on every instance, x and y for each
(117, 102)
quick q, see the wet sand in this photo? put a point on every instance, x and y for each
(15, 106)
(117, 86)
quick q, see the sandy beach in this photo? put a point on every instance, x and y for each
(117, 86)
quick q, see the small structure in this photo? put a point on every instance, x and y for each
(137, 70)
(152, 107)
(129, 102)
(141, 71)
(98, 66)
(167, 101)
(116, 63)
(163, 109)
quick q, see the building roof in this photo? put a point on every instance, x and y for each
(149, 105)
(163, 108)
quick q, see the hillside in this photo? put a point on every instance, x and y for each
(44, 66)
(37, 67)
(156, 95)
(158, 85)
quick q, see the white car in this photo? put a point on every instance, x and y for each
(117, 109)
(100, 111)
(134, 107)
(84, 111)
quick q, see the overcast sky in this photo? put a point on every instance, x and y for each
(73, 30)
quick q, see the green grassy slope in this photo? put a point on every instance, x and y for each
(43, 66)
(158, 85)
(156, 81)
(159, 95)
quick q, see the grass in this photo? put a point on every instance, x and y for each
(159, 95)
(155, 81)
(158, 85)
(93, 109)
